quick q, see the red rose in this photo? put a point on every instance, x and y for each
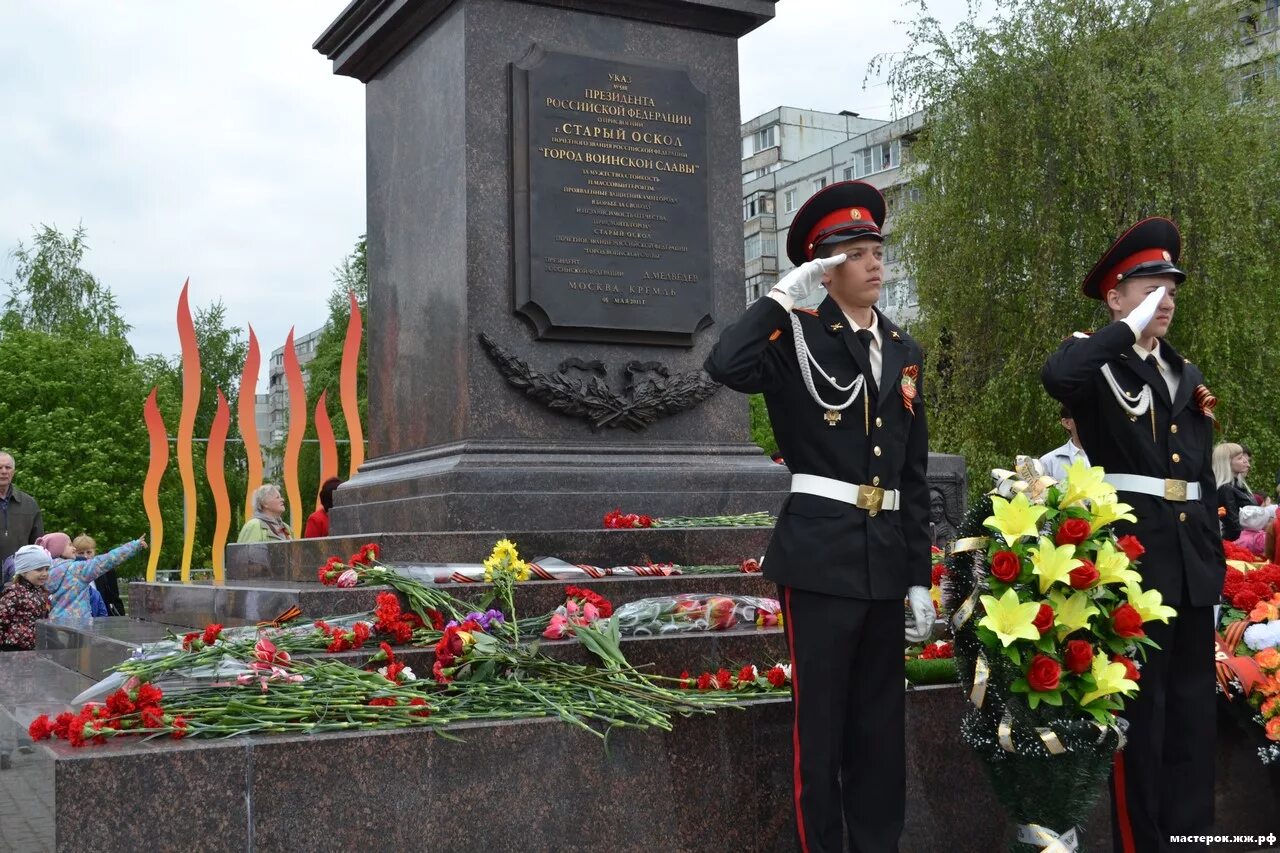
(1245, 600)
(1078, 656)
(1043, 673)
(1131, 546)
(1073, 531)
(1130, 671)
(1085, 575)
(1005, 566)
(1044, 619)
(1126, 621)
(939, 570)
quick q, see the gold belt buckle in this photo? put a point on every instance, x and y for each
(870, 498)
(1175, 490)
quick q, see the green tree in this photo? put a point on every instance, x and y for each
(1048, 132)
(51, 292)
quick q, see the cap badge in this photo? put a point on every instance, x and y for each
(855, 214)
(1167, 256)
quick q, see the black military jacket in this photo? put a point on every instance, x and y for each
(1183, 558)
(821, 544)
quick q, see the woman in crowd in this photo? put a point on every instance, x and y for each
(318, 522)
(1243, 519)
(24, 601)
(267, 524)
(70, 579)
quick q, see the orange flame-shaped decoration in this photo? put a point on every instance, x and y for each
(247, 417)
(214, 470)
(297, 427)
(328, 446)
(159, 438)
(187, 426)
(347, 385)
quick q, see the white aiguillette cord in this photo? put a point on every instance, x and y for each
(1135, 405)
(805, 358)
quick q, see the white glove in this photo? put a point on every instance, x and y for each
(922, 613)
(803, 280)
(1139, 317)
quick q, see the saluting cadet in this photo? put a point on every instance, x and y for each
(1144, 414)
(844, 388)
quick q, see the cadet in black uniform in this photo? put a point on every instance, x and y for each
(844, 387)
(1144, 414)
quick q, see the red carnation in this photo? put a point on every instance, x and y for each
(1130, 670)
(1073, 531)
(180, 727)
(211, 633)
(939, 571)
(704, 681)
(724, 679)
(1005, 566)
(1245, 600)
(152, 718)
(118, 704)
(749, 566)
(685, 681)
(1085, 575)
(1131, 546)
(747, 673)
(40, 728)
(189, 641)
(1078, 656)
(419, 702)
(62, 724)
(1127, 622)
(1043, 673)
(777, 676)
(148, 694)
(1044, 619)
(383, 702)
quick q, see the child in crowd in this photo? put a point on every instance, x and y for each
(24, 600)
(69, 578)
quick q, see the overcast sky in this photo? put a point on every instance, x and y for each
(208, 140)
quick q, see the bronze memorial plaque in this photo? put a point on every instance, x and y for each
(612, 229)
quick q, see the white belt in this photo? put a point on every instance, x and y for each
(870, 498)
(1170, 490)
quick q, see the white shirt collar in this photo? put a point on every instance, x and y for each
(1143, 352)
(874, 328)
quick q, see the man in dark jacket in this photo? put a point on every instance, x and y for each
(844, 389)
(1145, 415)
(20, 520)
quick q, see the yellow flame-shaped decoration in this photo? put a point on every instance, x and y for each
(215, 471)
(347, 385)
(187, 426)
(159, 439)
(246, 416)
(297, 428)
(328, 446)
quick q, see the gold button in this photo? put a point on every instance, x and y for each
(879, 422)
(1177, 458)
(875, 481)
(1182, 516)
(872, 514)
(1173, 428)
(876, 450)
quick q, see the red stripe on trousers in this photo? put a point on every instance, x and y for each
(795, 725)
(1122, 805)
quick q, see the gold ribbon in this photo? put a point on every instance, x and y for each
(1052, 842)
(965, 610)
(981, 672)
(971, 543)
(1027, 477)
(1051, 741)
(1004, 732)
(1102, 735)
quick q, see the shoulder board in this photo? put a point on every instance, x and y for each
(812, 312)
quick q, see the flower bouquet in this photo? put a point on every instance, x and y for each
(1047, 611)
(1248, 655)
(688, 612)
(616, 519)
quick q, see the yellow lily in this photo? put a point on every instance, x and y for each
(1071, 612)
(1108, 511)
(1084, 483)
(1149, 603)
(1053, 563)
(1014, 519)
(1009, 618)
(1113, 566)
(1109, 678)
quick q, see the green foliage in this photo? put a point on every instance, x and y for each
(324, 371)
(761, 430)
(51, 293)
(1049, 133)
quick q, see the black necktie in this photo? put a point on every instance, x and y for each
(865, 338)
(1152, 363)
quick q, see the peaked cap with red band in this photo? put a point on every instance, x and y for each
(834, 214)
(1149, 248)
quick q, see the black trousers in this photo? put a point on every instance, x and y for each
(1162, 783)
(849, 759)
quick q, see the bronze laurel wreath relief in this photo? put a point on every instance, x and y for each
(651, 392)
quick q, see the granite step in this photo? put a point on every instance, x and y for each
(298, 560)
(92, 646)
